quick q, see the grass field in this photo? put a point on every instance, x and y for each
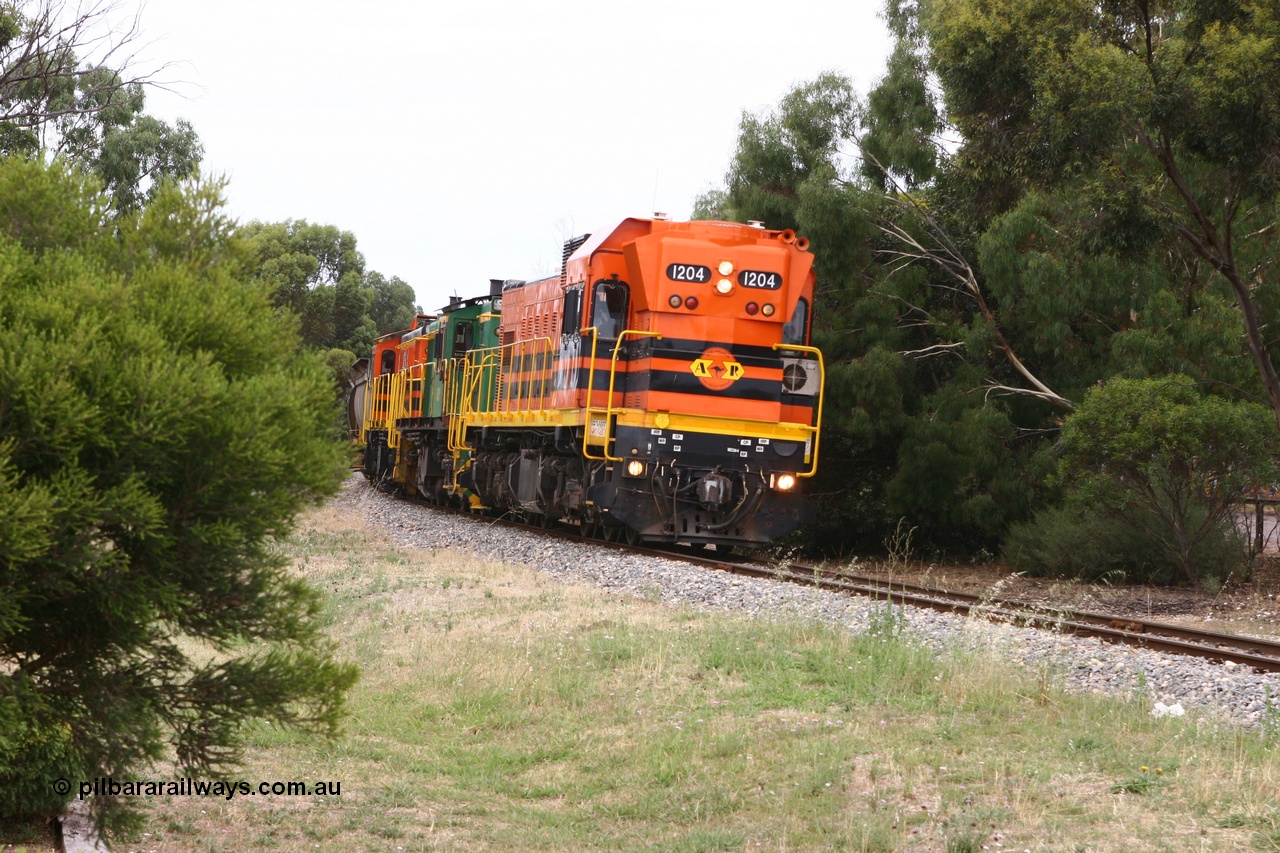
(501, 710)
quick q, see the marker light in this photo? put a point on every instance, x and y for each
(726, 267)
(784, 482)
(767, 310)
(674, 301)
(752, 308)
(691, 302)
(724, 287)
(635, 468)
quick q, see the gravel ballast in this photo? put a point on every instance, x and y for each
(1079, 664)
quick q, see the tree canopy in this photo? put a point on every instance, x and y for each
(1159, 120)
(906, 346)
(160, 427)
(56, 103)
(1034, 199)
(317, 272)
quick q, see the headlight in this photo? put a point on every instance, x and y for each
(726, 267)
(784, 482)
(635, 468)
(724, 287)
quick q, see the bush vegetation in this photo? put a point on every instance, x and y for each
(1152, 472)
(1091, 544)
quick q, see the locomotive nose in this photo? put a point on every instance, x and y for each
(714, 490)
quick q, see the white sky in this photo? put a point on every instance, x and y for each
(465, 141)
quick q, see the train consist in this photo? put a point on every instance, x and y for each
(661, 388)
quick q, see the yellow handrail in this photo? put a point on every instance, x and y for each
(395, 407)
(377, 412)
(366, 413)
(816, 428)
(613, 373)
(540, 351)
(491, 364)
(415, 379)
(591, 385)
(454, 394)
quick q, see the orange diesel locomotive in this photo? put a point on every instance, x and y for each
(661, 388)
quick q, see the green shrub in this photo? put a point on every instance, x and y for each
(35, 751)
(160, 429)
(1170, 463)
(1099, 545)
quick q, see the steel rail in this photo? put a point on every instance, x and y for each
(1055, 615)
(1256, 652)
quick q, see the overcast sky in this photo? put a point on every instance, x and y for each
(465, 141)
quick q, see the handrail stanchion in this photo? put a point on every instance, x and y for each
(613, 372)
(816, 428)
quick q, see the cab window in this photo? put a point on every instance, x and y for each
(793, 331)
(572, 321)
(461, 339)
(609, 314)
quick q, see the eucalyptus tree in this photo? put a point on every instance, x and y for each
(318, 273)
(909, 430)
(69, 91)
(1155, 123)
(901, 136)
(393, 305)
(42, 77)
(1036, 197)
(1167, 462)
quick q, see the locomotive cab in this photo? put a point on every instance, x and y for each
(726, 390)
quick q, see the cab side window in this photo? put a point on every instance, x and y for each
(461, 339)
(609, 313)
(572, 320)
(793, 331)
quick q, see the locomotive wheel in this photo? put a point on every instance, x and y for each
(587, 528)
(632, 536)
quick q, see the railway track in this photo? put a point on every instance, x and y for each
(1260, 654)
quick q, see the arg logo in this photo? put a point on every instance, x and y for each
(716, 369)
